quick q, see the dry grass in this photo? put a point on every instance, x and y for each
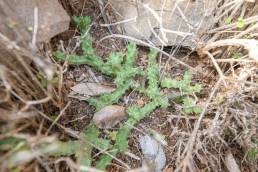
(24, 97)
(227, 126)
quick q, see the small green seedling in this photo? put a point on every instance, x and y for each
(252, 154)
(240, 23)
(228, 20)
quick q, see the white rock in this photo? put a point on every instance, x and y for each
(166, 22)
(153, 152)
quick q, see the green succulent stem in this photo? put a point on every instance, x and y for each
(124, 71)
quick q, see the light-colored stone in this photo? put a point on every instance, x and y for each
(91, 89)
(153, 152)
(166, 22)
(52, 18)
(230, 163)
(109, 116)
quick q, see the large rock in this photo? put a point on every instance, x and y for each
(52, 18)
(166, 22)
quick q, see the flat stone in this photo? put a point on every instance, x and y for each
(92, 89)
(109, 116)
(52, 18)
(166, 22)
(153, 152)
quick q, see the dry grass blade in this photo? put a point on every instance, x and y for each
(26, 85)
(250, 44)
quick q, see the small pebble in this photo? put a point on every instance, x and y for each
(153, 152)
(109, 116)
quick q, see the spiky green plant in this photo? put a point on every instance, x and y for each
(137, 113)
(187, 89)
(124, 74)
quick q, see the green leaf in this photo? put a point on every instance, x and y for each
(105, 160)
(240, 23)
(236, 55)
(126, 74)
(109, 98)
(187, 79)
(83, 23)
(42, 79)
(252, 154)
(115, 62)
(87, 47)
(130, 55)
(10, 142)
(112, 135)
(169, 83)
(227, 20)
(190, 106)
(63, 148)
(193, 89)
(89, 139)
(153, 75)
